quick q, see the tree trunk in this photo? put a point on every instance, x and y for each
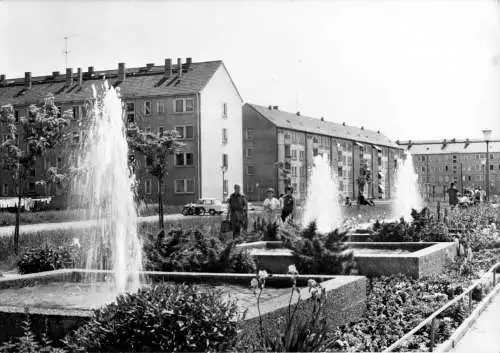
(16, 228)
(160, 203)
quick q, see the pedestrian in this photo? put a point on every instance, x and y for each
(237, 211)
(271, 207)
(288, 204)
(348, 201)
(452, 195)
(477, 196)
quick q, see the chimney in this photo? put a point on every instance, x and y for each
(362, 127)
(27, 80)
(343, 124)
(275, 107)
(2, 78)
(150, 66)
(168, 67)
(189, 61)
(378, 132)
(55, 74)
(322, 119)
(298, 113)
(179, 66)
(80, 77)
(121, 71)
(270, 107)
(69, 77)
(91, 70)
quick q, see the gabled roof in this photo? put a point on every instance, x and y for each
(457, 148)
(139, 82)
(293, 121)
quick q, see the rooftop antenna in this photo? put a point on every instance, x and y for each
(66, 52)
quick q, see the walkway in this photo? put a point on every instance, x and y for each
(484, 335)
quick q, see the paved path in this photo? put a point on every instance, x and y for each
(9, 230)
(484, 335)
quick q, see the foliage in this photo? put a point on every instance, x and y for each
(193, 251)
(28, 343)
(28, 140)
(316, 253)
(166, 318)
(48, 259)
(300, 332)
(156, 149)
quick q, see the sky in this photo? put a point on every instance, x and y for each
(411, 69)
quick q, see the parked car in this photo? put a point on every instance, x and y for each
(211, 206)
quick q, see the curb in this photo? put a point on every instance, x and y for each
(468, 322)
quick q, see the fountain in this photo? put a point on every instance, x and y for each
(322, 204)
(407, 191)
(107, 182)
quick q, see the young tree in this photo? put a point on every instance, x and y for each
(28, 140)
(156, 149)
(364, 178)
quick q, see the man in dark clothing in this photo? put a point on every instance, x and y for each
(452, 195)
(288, 204)
(237, 211)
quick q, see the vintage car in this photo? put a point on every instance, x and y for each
(211, 206)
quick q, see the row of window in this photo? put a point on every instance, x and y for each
(454, 157)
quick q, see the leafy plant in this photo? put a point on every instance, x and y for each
(48, 259)
(166, 318)
(316, 253)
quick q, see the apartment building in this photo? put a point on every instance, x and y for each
(279, 148)
(440, 163)
(198, 99)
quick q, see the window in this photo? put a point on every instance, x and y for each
(16, 114)
(148, 129)
(182, 105)
(185, 132)
(250, 134)
(251, 170)
(160, 131)
(249, 153)
(302, 171)
(301, 155)
(225, 187)
(249, 188)
(491, 166)
(184, 186)
(294, 172)
(59, 162)
(130, 107)
(5, 189)
(76, 112)
(294, 155)
(315, 152)
(339, 172)
(184, 159)
(147, 187)
(160, 107)
(147, 107)
(287, 151)
(76, 137)
(224, 110)
(149, 162)
(31, 186)
(224, 160)
(224, 136)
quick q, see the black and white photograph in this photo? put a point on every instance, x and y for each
(249, 176)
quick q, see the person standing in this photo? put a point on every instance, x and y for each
(288, 204)
(237, 211)
(271, 207)
(452, 195)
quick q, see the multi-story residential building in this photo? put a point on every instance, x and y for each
(440, 163)
(199, 100)
(279, 148)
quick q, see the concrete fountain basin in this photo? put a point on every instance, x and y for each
(60, 301)
(373, 259)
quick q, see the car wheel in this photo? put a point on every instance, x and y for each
(190, 212)
(200, 211)
(211, 212)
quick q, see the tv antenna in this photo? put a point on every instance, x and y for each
(66, 52)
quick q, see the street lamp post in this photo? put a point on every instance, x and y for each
(487, 137)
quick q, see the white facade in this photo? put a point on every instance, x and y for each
(220, 109)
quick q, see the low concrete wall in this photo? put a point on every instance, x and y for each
(346, 299)
(425, 258)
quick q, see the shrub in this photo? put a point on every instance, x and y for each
(193, 251)
(316, 253)
(166, 318)
(45, 259)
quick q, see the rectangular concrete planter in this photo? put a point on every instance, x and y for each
(423, 260)
(346, 297)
